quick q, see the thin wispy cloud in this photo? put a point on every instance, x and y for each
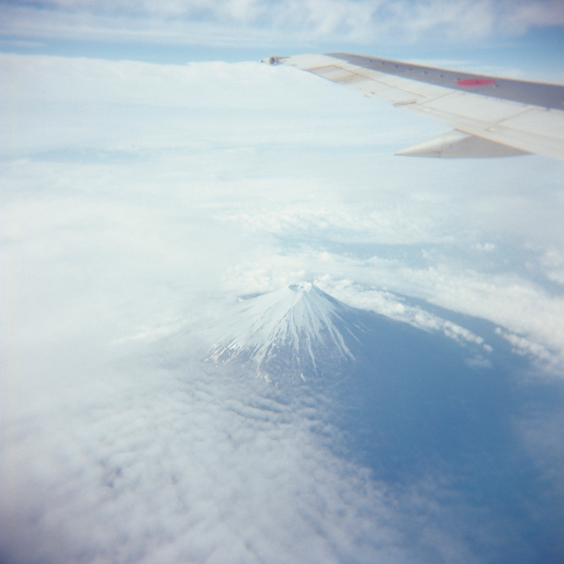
(236, 22)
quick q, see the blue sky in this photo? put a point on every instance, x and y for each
(526, 34)
(153, 171)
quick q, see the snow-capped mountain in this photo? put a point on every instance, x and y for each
(300, 332)
(297, 331)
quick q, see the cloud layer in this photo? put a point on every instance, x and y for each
(222, 176)
(253, 22)
(139, 199)
(179, 465)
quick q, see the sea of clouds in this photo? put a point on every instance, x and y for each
(159, 460)
(138, 200)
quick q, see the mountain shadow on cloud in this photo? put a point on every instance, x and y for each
(413, 404)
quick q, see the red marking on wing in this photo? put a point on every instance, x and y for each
(475, 82)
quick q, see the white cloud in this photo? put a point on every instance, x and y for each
(522, 346)
(136, 199)
(146, 464)
(533, 14)
(386, 303)
(552, 261)
(254, 22)
(487, 247)
(193, 146)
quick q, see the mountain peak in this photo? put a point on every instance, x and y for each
(301, 287)
(298, 331)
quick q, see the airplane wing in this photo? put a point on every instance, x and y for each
(491, 117)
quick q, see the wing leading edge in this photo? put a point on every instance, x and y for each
(491, 117)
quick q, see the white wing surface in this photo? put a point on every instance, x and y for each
(492, 117)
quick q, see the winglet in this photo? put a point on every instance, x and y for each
(457, 144)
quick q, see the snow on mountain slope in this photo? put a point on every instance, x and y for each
(302, 332)
(296, 331)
